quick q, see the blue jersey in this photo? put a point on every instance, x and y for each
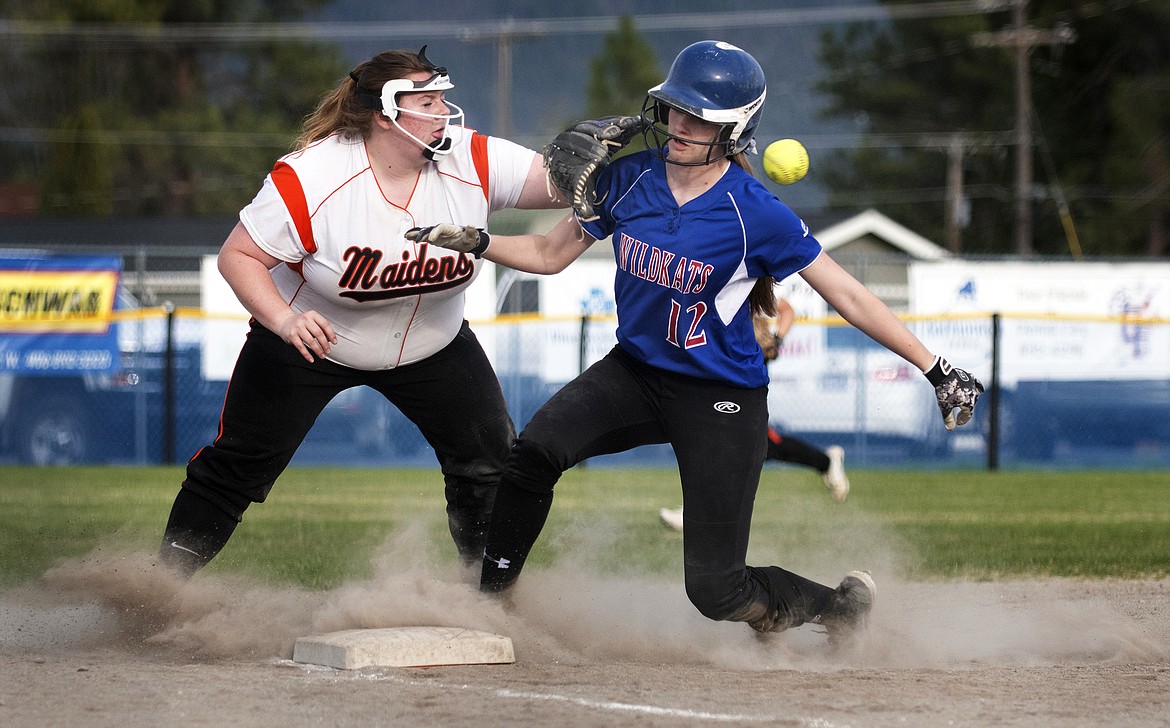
(684, 274)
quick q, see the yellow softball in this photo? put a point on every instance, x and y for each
(786, 161)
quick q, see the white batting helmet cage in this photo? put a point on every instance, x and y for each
(387, 101)
(716, 82)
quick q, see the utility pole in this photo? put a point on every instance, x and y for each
(503, 37)
(955, 212)
(1023, 38)
(1023, 132)
(504, 85)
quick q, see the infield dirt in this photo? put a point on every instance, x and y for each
(107, 641)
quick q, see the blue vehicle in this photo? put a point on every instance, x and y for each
(118, 417)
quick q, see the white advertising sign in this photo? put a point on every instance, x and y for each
(585, 287)
(550, 348)
(225, 325)
(1058, 320)
(805, 342)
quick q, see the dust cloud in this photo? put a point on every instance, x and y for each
(568, 613)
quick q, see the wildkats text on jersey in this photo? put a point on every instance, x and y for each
(651, 263)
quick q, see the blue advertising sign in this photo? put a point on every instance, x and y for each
(56, 314)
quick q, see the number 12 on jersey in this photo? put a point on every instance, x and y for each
(694, 337)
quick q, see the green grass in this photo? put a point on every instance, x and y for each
(321, 526)
(1100, 524)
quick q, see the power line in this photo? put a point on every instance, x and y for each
(150, 137)
(475, 30)
(146, 137)
(909, 140)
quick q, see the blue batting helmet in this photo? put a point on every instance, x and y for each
(716, 82)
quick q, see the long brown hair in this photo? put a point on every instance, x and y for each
(762, 299)
(340, 111)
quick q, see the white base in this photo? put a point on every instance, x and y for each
(404, 647)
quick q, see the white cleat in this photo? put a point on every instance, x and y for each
(835, 478)
(672, 517)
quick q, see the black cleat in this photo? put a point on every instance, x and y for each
(847, 613)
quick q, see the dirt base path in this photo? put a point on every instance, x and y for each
(99, 646)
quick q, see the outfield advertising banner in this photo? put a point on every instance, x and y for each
(56, 315)
(225, 325)
(1061, 320)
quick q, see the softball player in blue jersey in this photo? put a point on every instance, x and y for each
(699, 243)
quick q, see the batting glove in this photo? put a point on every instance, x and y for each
(463, 238)
(955, 389)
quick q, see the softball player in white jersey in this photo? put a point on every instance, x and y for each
(339, 298)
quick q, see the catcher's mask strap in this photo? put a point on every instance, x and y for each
(438, 147)
(366, 99)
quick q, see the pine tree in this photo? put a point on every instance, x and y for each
(1100, 119)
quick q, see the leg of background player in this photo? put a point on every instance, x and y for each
(830, 463)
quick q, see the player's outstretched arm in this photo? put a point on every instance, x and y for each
(542, 254)
(956, 390)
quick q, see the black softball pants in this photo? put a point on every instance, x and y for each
(718, 434)
(274, 398)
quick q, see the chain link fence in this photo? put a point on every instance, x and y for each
(1063, 392)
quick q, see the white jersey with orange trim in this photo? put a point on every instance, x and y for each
(390, 301)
